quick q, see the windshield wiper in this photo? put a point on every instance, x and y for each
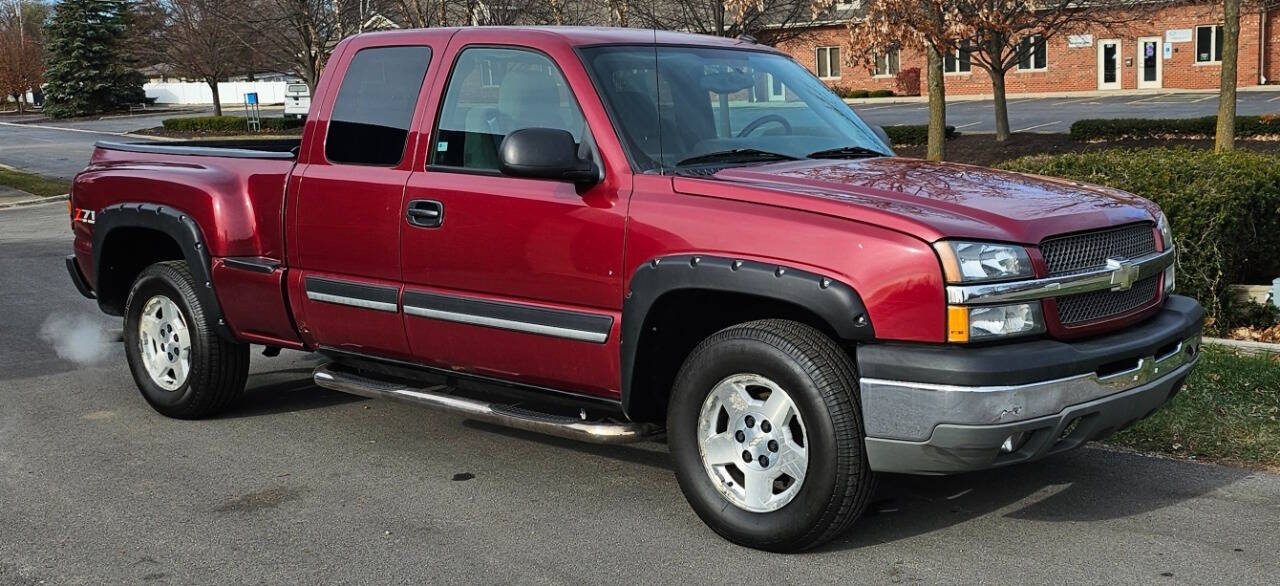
(845, 152)
(735, 156)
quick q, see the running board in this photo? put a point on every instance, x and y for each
(437, 397)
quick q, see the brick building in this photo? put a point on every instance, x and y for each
(1171, 47)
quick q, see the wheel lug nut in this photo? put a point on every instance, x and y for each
(773, 445)
(746, 456)
(741, 437)
(750, 421)
(765, 427)
(764, 460)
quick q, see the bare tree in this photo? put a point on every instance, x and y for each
(297, 36)
(930, 24)
(21, 48)
(773, 21)
(204, 39)
(1000, 33)
(1225, 137)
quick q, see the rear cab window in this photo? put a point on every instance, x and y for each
(375, 105)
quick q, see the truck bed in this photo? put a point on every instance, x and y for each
(281, 148)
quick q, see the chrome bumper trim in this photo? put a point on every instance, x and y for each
(904, 410)
(1119, 275)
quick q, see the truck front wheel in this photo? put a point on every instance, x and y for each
(182, 366)
(765, 430)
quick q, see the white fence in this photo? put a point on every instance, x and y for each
(230, 93)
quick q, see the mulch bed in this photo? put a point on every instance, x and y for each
(982, 149)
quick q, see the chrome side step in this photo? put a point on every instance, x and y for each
(437, 397)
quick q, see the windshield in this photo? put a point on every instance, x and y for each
(679, 107)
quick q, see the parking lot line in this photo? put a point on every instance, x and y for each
(1273, 99)
(1038, 126)
(968, 125)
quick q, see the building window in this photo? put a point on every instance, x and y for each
(958, 61)
(1031, 54)
(887, 63)
(1209, 44)
(828, 62)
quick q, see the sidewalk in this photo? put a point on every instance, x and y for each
(1032, 95)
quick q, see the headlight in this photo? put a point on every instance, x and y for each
(977, 262)
(986, 322)
(1166, 242)
(1166, 231)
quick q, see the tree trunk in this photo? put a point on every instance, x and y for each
(1226, 136)
(1001, 104)
(936, 150)
(217, 101)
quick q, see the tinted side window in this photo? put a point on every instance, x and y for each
(493, 92)
(374, 109)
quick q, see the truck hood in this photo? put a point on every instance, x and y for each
(932, 200)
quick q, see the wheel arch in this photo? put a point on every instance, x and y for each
(673, 302)
(128, 237)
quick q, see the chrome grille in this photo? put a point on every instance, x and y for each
(1079, 253)
(1088, 307)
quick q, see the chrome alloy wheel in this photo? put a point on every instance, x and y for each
(752, 442)
(165, 343)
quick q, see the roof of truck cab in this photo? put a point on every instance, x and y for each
(588, 35)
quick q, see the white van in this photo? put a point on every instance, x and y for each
(297, 100)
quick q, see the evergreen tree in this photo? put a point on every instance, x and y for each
(87, 71)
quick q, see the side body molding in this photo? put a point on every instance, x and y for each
(179, 226)
(833, 301)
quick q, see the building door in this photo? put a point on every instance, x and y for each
(1109, 64)
(1150, 62)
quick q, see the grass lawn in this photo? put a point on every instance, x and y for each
(33, 184)
(1228, 412)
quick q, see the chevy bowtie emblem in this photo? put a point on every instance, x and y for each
(1123, 273)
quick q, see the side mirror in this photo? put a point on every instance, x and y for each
(545, 153)
(884, 136)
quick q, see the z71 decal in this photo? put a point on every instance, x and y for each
(83, 215)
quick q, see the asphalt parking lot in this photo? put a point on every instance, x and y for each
(300, 485)
(1057, 114)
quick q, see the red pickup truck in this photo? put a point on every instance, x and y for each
(607, 234)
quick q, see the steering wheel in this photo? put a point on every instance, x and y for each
(761, 121)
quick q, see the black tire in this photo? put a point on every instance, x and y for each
(219, 367)
(820, 379)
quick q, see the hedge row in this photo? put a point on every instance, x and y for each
(1224, 208)
(1149, 128)
(226, 124)
(913, 133)
(845, 92)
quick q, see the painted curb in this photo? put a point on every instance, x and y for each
(33, 201)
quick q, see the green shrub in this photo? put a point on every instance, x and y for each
(1156, 128)
(1224, 208)
(227, 124)
(880, 94)
(906, 134)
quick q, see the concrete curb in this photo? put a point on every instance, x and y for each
(32, 201)
(1245, 346)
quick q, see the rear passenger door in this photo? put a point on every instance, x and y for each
(519, 278)
(345, 208)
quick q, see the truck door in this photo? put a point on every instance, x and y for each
(506, 277)
(345, 209)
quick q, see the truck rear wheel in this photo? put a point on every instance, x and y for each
(766, 433)
(182, 366)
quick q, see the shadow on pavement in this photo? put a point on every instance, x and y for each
(1089, 484)
(284, 391)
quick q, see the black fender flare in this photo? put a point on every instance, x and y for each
(178, 225)
(834, 301)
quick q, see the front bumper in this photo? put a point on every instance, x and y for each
(947, 409)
